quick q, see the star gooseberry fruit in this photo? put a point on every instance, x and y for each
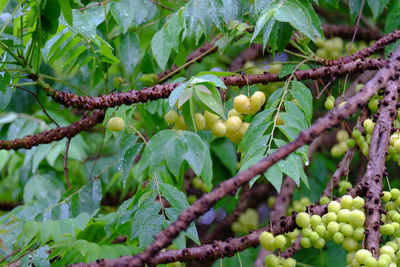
(116, 124)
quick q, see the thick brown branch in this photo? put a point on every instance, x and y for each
(203, 204)
(376, 165)
(163, 91)
(56, 134)
(368, 51)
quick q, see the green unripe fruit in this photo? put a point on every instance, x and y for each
(233, 112)
(180, 123)
(271, 260)
(149, 79)
(358, 87)
(383, 262)
(358, 202)
(211, 118)
(315, 220)
(267, 240)
(356, 133)
(386, 250)
(358, 234)
(218, 129)
(362, 255)
(393, 245)
(350, 257)
(394, 137)
(329, 104)
(290, 262)
(321, 52)
(334, 206)
(357, 218)
(347, 230)
(338, 238)
(305, 242)
(349, 244)
(386, 196)
(373, 105)
(319, 42)
(257, 99)
(171, 116)
(331, 217)
(387, 229)
(320, 230)
(275, 68)
(313, 237)
(191, 199)
(303, 219)
(324, 200)
(279, 241)
(116, 124)
(271, 201)
(117, 82)
(306, 232)
(346, 202)
(333, 227)
(243, 128)
(343, 215)
(320, 243)
(395, 193)
(236, 227)
(396, 217)
(336, 151)
(200, 121)
(351, 143)
(233, 124)
(390, 206)
(371, 262)
(242, 104)
(342, 135)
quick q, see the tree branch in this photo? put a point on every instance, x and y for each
(163, 91)
(203, 204)
(376, 165)
(59, 133)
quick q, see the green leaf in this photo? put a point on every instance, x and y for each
(301, 16)
(210, 102)
(129, 51)
(206, 171)
(354, 6)
(3, 4)
(66, 11)
(188, 114)
(303, 95)
(267, 30)
(392, 21)
(226, 153)
(209, 78)
(83, 24)
(174, 151)
(30, 231)
(377, 6)
(175, 198)
(274, 176)
(176, 93)
(6, 91)
(265, 18)
(185, 96)
(173, 30)
(129, 149)
(196, 151)
(290, 167)
(161, 48)
(333, 3)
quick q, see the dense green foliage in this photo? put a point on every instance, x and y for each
(176, 148)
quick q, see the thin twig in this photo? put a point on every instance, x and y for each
(65, 162)
(40, 103)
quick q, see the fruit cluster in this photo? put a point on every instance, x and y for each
(246, 222)
(274, 261)
(298, 205)
(233, 128)
(281, 242)
(335, 48)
